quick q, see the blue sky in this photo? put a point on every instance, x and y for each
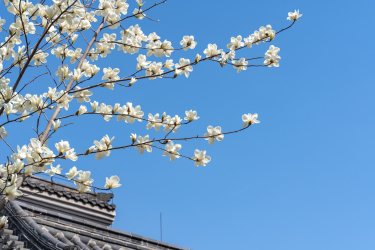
(301, 179)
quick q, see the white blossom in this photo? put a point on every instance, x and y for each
(183, 67)
(70, 154)
(72, 173)
(103, 49)
(138, 14)
(132, 113)
(293, 16)
(107, 38)
(212, 51)
(39, 57)
(272, 60)
(82, 109)
(154, 122)
(143, 144)
(77, 74)
(60, 52)
(142, 63)
(121, 7)
(154, 69)
(53, 38)
(249, 119)
(8, 107)
(63, 73)
(224, 58)
(213, 133)
(62, 146)
(51, 94)
(188, 42)
(113, 22)
(105, 7)
(82, 96)
(103, 145)
(93, 54)
(171, 150)
(105, 111)
(172, 123)
(111, 74)
(28, 170)
(249, 41)
(256, 38)
(236, 42)
(267, 32)
(83, 188)
(2, 22)
(63, 100)
(168, 64)
(22, 152)
(83, 178)
(112, 182)
(54, 170)
(153, 37)
(12, 192)
(200, 158)
(273, 50)
(159, 48)
(191, 115)
(16, 167)
(240, 64)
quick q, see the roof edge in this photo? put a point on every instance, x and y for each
(34, 233)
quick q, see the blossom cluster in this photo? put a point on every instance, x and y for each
(57, 27)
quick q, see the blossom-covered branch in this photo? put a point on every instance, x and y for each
(48, 32)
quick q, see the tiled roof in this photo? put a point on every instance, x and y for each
(69, 192)
(40, 233)
(35, 226)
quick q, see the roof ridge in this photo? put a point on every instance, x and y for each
(70, 192)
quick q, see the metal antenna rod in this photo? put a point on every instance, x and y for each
(161, 228)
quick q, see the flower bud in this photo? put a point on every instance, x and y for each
(56, 125)
(140, 4)
(74, 38)
(132, 81)
(90, 150)
(115, 108)
(166, 141)
(133, 137)
(24, 116)
(163, 116)
(94, 105)
(197, 58)
(3, 222)
(81, 110)
(94, 69)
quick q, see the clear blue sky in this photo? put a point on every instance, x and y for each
(301, 179)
